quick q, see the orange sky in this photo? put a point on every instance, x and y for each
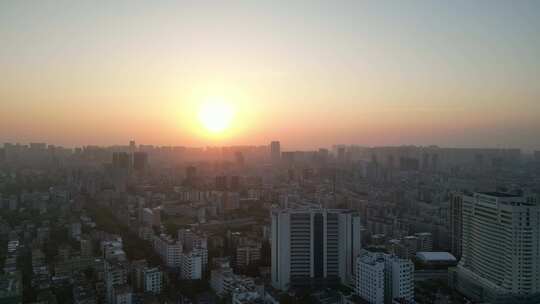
(309, 74)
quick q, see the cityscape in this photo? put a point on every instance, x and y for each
(270, 152)
(260, 224)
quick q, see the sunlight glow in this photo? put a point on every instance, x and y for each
(216, 115)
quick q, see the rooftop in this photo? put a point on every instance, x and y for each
(499, 194)
(430, 256)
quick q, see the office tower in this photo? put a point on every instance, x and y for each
(275, 152)
(383, 278)
(456, 203)
(140, 161)
(314, 247)
(500, 260)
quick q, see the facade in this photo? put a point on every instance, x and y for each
(225, 282)
(425, 241)
(382, 278)
(370, 282)
(500, 261)
(456, 227)
(191, 267)
(115, 278)
(249, 254)
(275, 152)
(314, 247)
(169, 250)
(153, 280)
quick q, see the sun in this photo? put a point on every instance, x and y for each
(216, 116)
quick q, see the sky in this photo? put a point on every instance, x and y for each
(307, 73)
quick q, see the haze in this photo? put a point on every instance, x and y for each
(462, 73)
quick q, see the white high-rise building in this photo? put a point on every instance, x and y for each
(192, 266)
(370, 278)
(500, 260)
(381, 278)
(399, 279)
(314, 247)
(153, 280)
(168, 249)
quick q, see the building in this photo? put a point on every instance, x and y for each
(11, 288)
(137, 274)
(115, 277)
(247, 255)
(500, 260)
(140, 161)
(399, 279)
(225, 282)
(121, 160)
(122, 294)
(383, 278)
(456, 228)
(191, 267)
(425, 241)
(169, 250)
(153, 280)
(87, 248)
(370, 282)
(275, 152)
(436, 258)
(314, 247)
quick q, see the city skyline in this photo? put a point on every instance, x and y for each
(425, 73)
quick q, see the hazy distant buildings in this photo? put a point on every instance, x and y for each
(140, 161)
(121, 160)
(314, 247)
(500, 260)
(275, 152)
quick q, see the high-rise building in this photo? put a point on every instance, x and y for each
(153, 280)
(383, 278)
(192, 266)
(314, 247)
(456, 228)
(275, 152)
(247, 255)
(370, 277)
(140, 161)
(115, 277)
(500, 260)
(169, 250)
(121, 160)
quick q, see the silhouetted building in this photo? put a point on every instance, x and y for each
(140, 161)
(275, 152)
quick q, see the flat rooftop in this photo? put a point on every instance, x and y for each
(499, 194)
